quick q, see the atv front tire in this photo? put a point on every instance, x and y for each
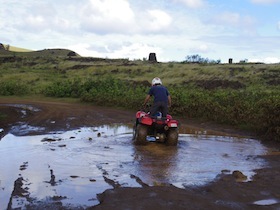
(141, 134)
(172, 137)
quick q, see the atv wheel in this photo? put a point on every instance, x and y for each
(172, 137)
(135, 129)
(141, 134)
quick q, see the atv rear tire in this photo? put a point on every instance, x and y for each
(135, 129)
(172, 137)
(141, 134)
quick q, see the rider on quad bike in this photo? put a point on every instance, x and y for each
(157, 122)
(162, 99)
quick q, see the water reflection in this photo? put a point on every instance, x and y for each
(266, 202)
(197, 159)
(77, 165)
(155, 163)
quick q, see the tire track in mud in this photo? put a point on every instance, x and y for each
(139, 181)
(106, 179)
(19, 191)
(20, 195)
(116, 184)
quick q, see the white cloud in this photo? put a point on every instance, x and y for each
(232, 19)
(44, 17)
(228, 18)
(36, 22)
(272, 60)
(116, 16)
(107, 16)
(155, 21)
(39, 23)
(109, 9)
(131, 51)
(265, 1)
(232, 22)
(203, 48)
(278, 25)
(193, 3)
(135, 51)
(265, 60)
(84, 50)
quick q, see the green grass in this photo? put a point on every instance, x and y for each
(244, 95)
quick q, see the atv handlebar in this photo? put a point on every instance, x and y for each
(145, 107)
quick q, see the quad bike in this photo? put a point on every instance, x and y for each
(164, 130)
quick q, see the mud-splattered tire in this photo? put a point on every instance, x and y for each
(141, 134)
(134, 129)
(172, 137)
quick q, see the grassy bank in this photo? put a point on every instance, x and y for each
(246, 95)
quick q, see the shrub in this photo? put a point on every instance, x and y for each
(112, 92)
(257, 111)
(64, 88)
(267, 119)
(13, 87)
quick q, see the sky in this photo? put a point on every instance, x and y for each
(173, 29)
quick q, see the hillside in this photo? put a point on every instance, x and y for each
(7, 50)
(40, 53)
(18, 49)
(13, 48)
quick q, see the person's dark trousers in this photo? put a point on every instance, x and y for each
(159, 106)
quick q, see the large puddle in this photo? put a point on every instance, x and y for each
(74, 166)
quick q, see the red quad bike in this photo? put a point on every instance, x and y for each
(164, 130)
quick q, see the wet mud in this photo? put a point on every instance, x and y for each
(56, 155)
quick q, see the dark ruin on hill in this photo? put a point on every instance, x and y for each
(152, 57)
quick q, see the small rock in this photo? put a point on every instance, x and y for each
(48, 140)
(239, 176)
(62, 145)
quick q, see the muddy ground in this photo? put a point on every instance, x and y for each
(225, 192)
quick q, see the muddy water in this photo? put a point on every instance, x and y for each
(72, 167)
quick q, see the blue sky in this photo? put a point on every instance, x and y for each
(173, 29)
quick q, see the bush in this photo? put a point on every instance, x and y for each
(61, 88)
(112, 92)
(268, 118)
(13, 87)
(257, 111)
(105, 91)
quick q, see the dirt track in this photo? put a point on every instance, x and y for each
(224, 193)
